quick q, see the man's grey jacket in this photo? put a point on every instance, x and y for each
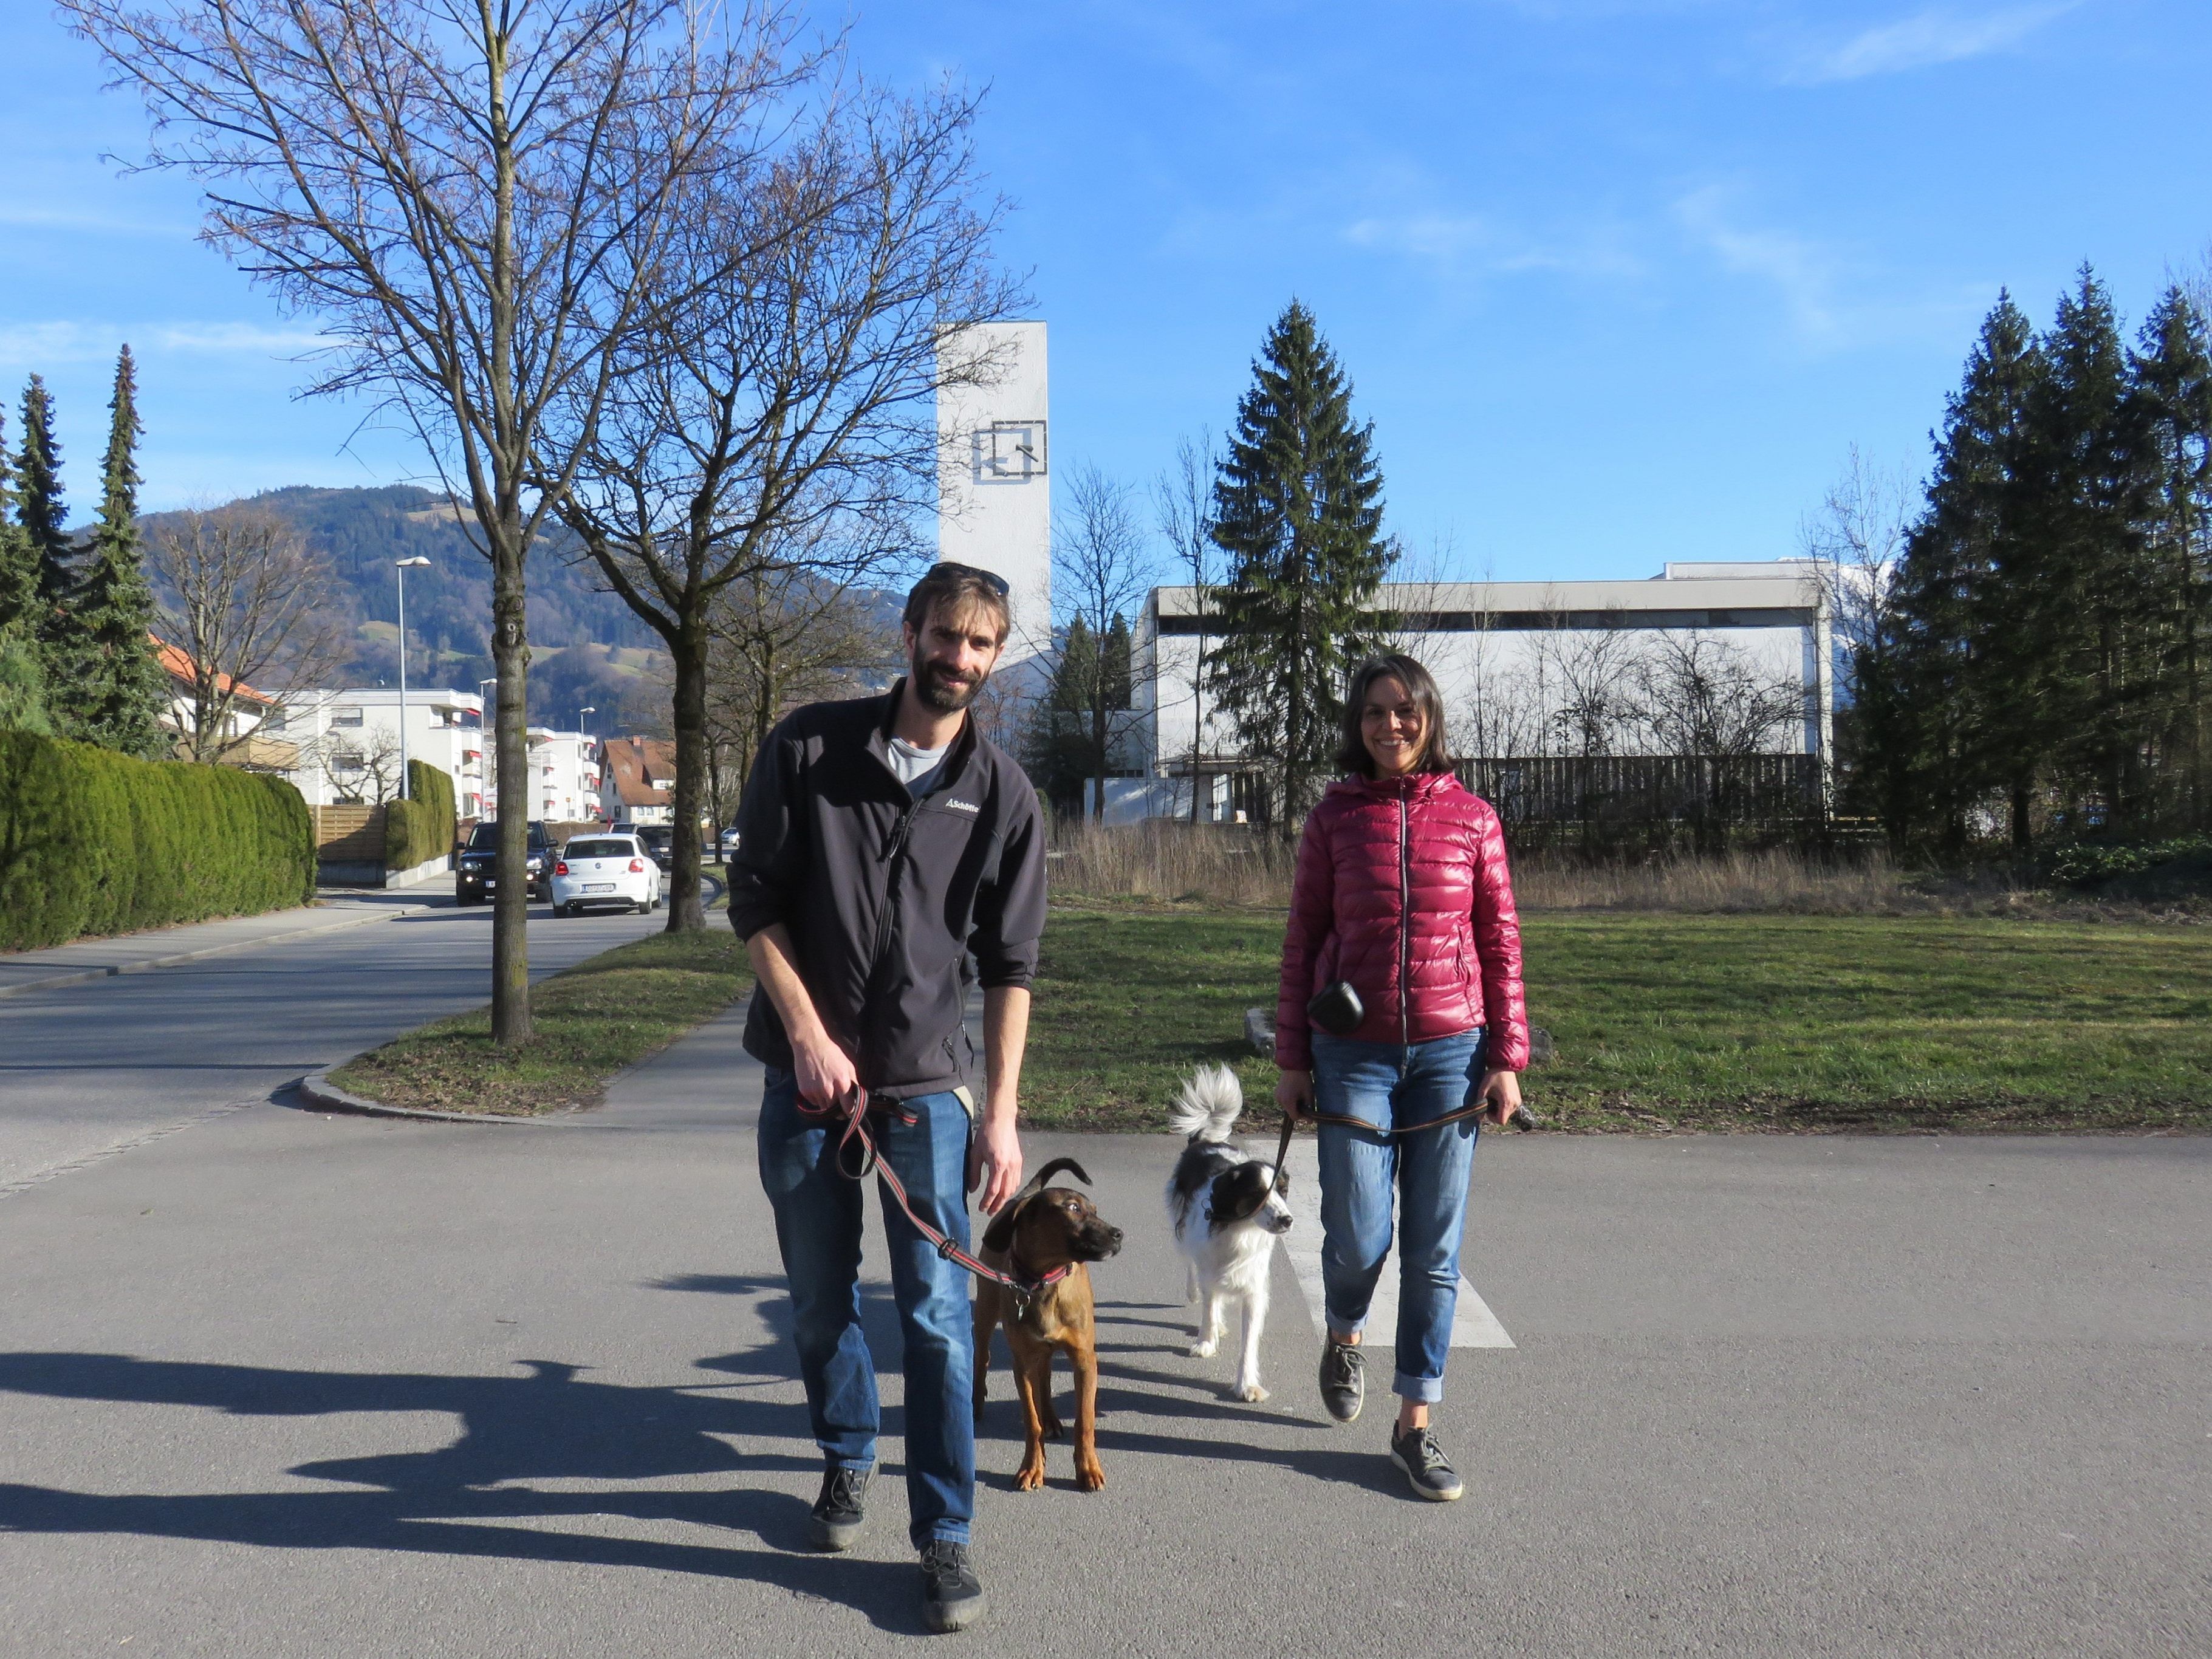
(885, 896)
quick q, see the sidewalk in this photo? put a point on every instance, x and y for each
(165, 947)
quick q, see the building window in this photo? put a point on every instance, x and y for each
(345, 717)
(345, 761)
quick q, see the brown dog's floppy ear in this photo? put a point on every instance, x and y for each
(1001, 1234)
(1036, 1183)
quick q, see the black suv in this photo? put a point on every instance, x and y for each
(474, 880)
(658, 839)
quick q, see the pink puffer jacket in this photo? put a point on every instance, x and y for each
(1402, 889)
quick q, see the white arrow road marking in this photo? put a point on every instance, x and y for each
(1474, 1326)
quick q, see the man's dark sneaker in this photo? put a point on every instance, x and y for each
(1416, 1452)
(835, 1522)
(952, 1599)
(1343, 1379)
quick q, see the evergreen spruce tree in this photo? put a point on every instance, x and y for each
(38, 507)
(1298, 514)
(1057, 757)
(19, 567)
(1935, 708)
(2171, 375)
(118, 691)
(2095, 667)
(22, 669)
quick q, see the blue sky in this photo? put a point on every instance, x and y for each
(1618, 281)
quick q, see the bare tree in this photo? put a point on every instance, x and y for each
(786, 414)
(471, 197)
(1182, 506)
(1101, 568)
(1855, 539)
(780, 636)
(245, 600)
(1701, 696)
(362, 770)
(1587, 685)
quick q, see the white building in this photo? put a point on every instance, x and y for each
(348, 743)
(1526, 670)
(994, 486)
(563, 786)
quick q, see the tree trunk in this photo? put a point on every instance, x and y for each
(1098, 742)
(510, 909)
(685, 912)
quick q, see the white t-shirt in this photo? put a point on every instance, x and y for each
(917, 768)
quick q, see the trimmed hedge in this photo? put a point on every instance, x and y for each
(420, 828)
(93, 842)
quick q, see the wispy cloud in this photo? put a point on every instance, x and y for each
(1941, 35)
(1802, 272)
(1461, 243)
(52, 344)
(20, 215)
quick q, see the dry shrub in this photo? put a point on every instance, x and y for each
(1161, 858)
(1775, 878)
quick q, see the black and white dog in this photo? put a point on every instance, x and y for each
(1227, 1215)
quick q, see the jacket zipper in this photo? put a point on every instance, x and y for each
(892, 848)
(1404, 924)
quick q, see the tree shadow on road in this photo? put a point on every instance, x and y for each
(553, 1425)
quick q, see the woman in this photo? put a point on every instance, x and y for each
(1402, 890)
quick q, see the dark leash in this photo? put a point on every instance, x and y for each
(855, 1107)
(1521, 1117)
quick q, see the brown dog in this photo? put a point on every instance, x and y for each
(1045, 1228)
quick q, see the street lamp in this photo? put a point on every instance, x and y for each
(402, 566)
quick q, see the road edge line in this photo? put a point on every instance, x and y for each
(85, 976)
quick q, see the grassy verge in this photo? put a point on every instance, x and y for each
(591, 1020)
(1709, 1021)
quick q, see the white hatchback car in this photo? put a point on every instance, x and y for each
(605, 870)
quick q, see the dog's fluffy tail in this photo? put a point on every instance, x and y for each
(1209, 1105)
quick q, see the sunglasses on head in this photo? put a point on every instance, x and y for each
(990, 578)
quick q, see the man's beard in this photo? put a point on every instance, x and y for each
(942, 692)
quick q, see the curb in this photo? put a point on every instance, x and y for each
(86, 976)
(320, 1091)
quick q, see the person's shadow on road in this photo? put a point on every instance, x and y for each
(552, 1424)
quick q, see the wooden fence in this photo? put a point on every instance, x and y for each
(348, 835)
(1755, 792)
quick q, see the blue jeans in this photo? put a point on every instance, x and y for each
(1395, 1086)
(818, 1215)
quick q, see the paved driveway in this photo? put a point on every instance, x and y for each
(284, 1383)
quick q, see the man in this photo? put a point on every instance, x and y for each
(883, 843)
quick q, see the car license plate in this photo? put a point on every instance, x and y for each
(599, 887)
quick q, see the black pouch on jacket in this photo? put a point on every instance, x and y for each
(1336, 1008)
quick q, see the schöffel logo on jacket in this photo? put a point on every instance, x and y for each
(959, 805)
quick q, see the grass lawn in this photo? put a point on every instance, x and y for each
(1713, 1022)
(591, 1020)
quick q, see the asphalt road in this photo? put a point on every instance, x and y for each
(88, 1069)
(284, 1383)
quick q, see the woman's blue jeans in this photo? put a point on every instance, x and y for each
(818, 1215)
(1396, 1086)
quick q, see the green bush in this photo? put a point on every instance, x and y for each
(420, 828)
(93, 842)
(2087, 863)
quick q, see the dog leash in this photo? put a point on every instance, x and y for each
(1522, 1116)
(856, 1128)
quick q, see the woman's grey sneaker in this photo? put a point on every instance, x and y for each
(1343, 1379)
(952, 1599)
(838, 1512)
(1416, 1452)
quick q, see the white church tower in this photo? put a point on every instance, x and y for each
(994, 478)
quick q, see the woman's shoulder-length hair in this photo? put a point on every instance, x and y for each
(1352, 756)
